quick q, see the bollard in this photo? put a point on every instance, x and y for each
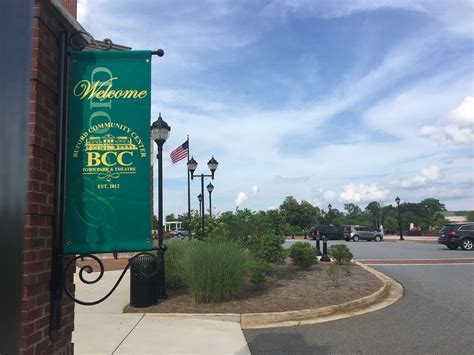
(318, 247)
(325, 256)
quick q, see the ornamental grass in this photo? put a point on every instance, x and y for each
(214, 270)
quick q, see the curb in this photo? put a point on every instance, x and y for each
(390, 292)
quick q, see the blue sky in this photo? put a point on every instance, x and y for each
(328, 101)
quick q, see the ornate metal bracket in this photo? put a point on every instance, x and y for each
(78, 42)
(88, 269)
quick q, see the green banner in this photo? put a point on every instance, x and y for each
(108, 205)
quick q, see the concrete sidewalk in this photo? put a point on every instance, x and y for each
(104, 329)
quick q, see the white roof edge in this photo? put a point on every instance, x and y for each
(70, 20)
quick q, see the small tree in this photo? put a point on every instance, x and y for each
(303, 255)
(341, 254)
(268, 248)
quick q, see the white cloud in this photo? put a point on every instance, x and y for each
(432, 132)
(428, 175)
(254, 189)
(460, 135)
(321, 197)
(364, 193)
(457, 128)
(241, 198)
(82, 10)
(418, 106)
(453, 18)
(463, 115)
(329, 195)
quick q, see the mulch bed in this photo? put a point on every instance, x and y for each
(293, 290)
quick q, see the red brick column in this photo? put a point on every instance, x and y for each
(71, 6)
(40, 200)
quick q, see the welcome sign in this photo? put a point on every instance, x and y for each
(108, 203)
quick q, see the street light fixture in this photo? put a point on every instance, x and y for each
(397, 200)
(200, 204)
(212, 165)
(210, 188)
(160, 132)
(329, 213)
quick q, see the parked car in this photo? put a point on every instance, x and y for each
(364, 233)
(347, 230)
(328, 231)
(456, 235)
(180, 233)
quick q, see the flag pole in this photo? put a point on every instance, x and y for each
(189, 186)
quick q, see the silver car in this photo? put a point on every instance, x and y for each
(365, 233)
(180, 233)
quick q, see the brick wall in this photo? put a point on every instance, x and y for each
(71, 6)
(35, 334)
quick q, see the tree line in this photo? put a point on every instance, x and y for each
(296, 217)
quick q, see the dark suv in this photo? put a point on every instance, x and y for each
(328, 231)
(456, 235)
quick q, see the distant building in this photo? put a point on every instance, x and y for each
(452, 217)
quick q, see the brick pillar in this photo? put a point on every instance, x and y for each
(35, 334)
(71, 6)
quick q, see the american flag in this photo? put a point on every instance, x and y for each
(180, 153)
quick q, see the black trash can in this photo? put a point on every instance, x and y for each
(143, 288)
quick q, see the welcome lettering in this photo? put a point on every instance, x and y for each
(84, 89)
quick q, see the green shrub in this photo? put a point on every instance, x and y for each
(268, 248)
(341, 254)
(303, 255)
(214, 270)
(259, 271)
(173, 255)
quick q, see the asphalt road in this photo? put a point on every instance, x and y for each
(435, 316)
(397, 250)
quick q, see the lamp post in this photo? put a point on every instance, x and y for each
(397, 200)
(329, 213)
(200, 205)
(427, 218)
(210, 188)
(192, 165)
(160, 132)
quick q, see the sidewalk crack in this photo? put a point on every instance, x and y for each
(126, 336)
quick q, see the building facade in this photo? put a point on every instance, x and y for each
(39, 333)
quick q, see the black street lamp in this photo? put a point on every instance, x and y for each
(210, 188)
(192, 165)
(427, 218)
(397, 200)
(160, 132)
(200, 204)
(329, 213)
